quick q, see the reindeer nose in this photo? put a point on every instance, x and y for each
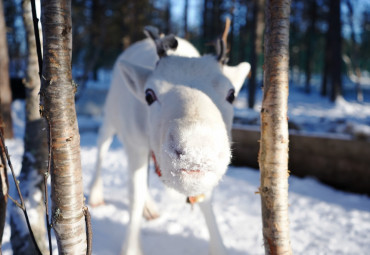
(179, 153)
(197, 141)
(176, 150)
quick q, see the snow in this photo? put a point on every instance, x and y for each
(322, 220)
(312, 113)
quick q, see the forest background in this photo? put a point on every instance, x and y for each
(324, 41)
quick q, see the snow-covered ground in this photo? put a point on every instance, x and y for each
(322, 219)
(314, 114)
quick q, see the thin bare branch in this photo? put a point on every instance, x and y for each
(4, 189)
(88, 230)
(15, 202)
(4, 149)
(37, 36)
(46, 176)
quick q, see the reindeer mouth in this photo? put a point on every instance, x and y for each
(190, 172)
(193, 173)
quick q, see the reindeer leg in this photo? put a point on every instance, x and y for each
(150, 209)
(138, 190)
(104, 140)
(216, 246)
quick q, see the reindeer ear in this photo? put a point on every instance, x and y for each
(135, 77)
(237, 74)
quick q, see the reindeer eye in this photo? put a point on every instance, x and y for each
(150, 96)
(230, 96)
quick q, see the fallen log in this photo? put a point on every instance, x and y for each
(339, 161)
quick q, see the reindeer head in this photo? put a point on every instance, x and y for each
(190, 113)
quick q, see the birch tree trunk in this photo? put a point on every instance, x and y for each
(34, 158)
(58, 107)
(5, 91)
(273, 154)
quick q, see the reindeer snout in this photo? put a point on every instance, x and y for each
(198, 146)
(194, 157)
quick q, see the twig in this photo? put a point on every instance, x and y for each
(88, 230)
(15, 201)
(4, 189)
(3, 175)
(21, 205)
(37, 36)
(5, 150)
(46, 176)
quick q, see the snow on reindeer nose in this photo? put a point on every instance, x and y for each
(197, 147)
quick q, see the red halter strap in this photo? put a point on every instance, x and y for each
(157, 169)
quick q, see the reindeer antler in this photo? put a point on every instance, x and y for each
(163, 43)
(221, 44)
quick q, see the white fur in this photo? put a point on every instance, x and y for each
(188, 127)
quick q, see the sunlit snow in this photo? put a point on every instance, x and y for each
(322, 219)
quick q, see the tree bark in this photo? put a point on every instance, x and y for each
(256, 50)
(186, 8)
(335, 67)
(58, 108)
(5, 91)
(273, 154)
(167, 17)
(245, 35)
(35, 155)
(231, 33)
(205, 25)
(97, 33)
(216, 12)
(205, 20)
(325, 71)
(310, 35)
(353, 67)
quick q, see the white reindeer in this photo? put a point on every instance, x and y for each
(179, 109)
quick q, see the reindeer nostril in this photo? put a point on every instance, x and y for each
(179, 153)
